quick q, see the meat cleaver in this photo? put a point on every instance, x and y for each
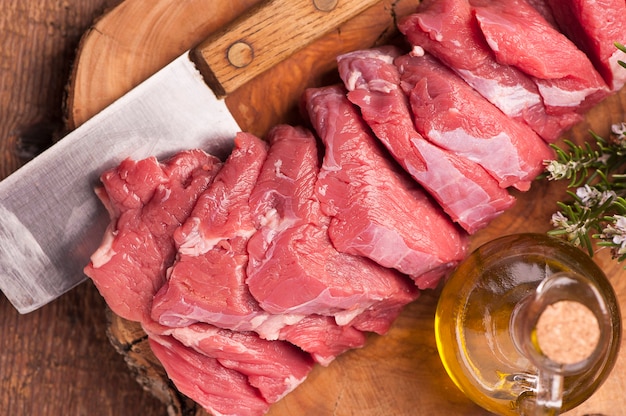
(50, 219)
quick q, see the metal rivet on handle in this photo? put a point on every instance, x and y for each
(240, 54)
(325, 5)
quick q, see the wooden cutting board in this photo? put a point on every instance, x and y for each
(396, 374)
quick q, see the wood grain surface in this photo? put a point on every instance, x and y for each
(58, 361)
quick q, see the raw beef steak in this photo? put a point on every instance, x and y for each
(448, 30)
(321, 337)
(377, 211)
(273, 367)
(519, 36)
(466, 192)
(207, 281)
(147, 201)
(595, 26)
(219, 390)
(454, 116)
(293, 266)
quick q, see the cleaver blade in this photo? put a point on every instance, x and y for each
(50, 219)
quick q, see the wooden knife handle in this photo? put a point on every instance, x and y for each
(265, 36)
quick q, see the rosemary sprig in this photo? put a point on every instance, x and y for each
(597, 188)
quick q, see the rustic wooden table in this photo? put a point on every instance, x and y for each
(58, 361)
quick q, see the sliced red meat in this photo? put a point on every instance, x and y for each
(273, 367)
(283, 194)
(321, 337)
(219, 390)
(463, 188)
(544, 9)
(306, 274)
(454, 116)
(377, 211)
(519, 36)
(293, 267)
(595, 26)
(448, 30)
(206, 282)
(146, 200)
(378, 320)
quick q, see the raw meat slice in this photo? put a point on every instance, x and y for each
(519, 36)
(464, 190)
(206, 282)
(146, 200)
(232, 307)
(321, 337)
(273, 367)
(594, 26)
(453, 115)
(219, 390)
(283, 195)
(376, 210)
(293, 266)
(306, 274)
(448, 30)
(222, 212)
(544, 9)
(378, 320)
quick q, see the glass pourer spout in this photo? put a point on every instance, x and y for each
(563, 328)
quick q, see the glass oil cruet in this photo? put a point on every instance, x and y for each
(528, 325)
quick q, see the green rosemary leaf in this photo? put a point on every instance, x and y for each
(586, 243)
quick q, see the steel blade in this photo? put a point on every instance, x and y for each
(50, 219)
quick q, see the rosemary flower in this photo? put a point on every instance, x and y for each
(571, 230)
(616, 233)
(591, 196)
(558, 170)
(619, 130)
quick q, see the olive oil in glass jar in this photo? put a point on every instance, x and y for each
(495, 335)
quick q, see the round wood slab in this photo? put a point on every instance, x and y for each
(399, 373)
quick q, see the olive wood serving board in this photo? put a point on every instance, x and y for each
(396, 374)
